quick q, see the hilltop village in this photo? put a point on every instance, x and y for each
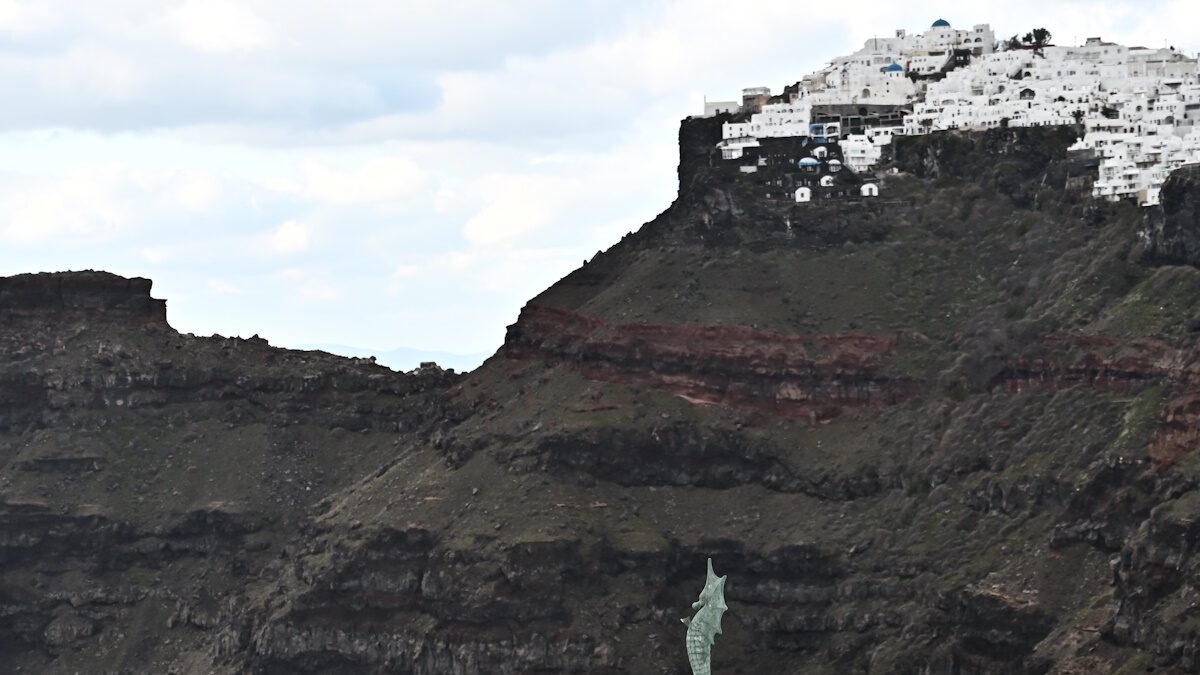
(1136, 107)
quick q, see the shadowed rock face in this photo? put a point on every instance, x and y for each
(147, 478)
(1171, 233)
(948, 431)
(99, 294)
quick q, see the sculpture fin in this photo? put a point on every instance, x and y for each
(706, 623)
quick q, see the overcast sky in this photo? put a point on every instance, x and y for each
(387, 173)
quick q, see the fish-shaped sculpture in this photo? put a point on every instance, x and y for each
(706, 623)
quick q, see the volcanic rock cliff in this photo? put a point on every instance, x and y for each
(951, 430)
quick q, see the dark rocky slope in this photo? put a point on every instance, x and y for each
(947, 431)
(148, 479)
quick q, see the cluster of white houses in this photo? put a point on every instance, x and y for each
(1139, 106)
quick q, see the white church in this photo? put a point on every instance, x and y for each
(1138, 105)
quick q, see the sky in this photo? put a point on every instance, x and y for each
(384, 174)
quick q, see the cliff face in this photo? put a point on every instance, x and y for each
(147, 477)
(738, 366)
(1171, 233)
(101, 295)
(950, 430)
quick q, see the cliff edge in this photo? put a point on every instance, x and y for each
(100, 294)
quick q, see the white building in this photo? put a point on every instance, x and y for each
(777, 120)
(1139, 107)
(875, 79)
(877, 74)
(863, 151)
(734, 148)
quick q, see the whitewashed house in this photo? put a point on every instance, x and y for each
(1137, 107)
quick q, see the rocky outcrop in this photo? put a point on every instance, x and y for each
(401, 601)
(959, 155)
(146, 476)
(96, 294)
(94, 341)
(1094, 360)
(1155, 575)
(683, 454)
(1170, 231)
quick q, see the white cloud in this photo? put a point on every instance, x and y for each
(197, 191)
(381, 181)
(280, 185)
(445, 199)
(99, 74)
(222, 287)
(495, 271)
(23, 17)
(407, 271)
(175, 188)
(220, 27)
(83, 206)
(88, 204)
(304, 283)
(518, 205)
(290, 237)
(155, 255)
(316, 290)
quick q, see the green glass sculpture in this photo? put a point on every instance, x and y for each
(706, 624)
